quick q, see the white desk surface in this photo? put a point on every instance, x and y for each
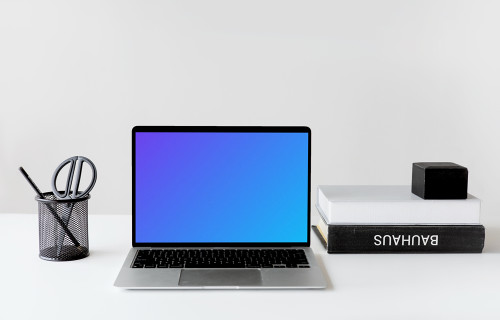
(393, 286)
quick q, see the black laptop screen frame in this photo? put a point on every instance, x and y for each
(220, 129)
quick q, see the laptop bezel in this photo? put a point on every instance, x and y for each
(287, 129)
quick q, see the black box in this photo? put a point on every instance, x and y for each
(439, 180)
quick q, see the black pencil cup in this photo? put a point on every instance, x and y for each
(63, 228)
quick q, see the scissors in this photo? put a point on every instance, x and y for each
(74, 176)
(71, 190)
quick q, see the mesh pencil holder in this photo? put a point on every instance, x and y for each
(63, 228)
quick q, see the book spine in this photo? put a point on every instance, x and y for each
(405, 239)
(400, 212)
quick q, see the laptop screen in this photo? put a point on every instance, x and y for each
(221, 185)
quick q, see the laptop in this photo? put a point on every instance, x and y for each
(221, 208)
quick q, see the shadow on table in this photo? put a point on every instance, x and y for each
(492, 241)
(321, 264)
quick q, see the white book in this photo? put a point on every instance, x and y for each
(392, 205)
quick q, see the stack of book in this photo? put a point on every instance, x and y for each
(390, 219)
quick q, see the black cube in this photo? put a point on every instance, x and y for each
(439, 180)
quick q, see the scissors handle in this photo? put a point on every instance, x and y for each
(73, 180)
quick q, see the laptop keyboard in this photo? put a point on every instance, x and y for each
(220, 258)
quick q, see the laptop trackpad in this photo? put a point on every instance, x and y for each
(220, 277)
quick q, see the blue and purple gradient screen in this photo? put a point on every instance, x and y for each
(225, 187)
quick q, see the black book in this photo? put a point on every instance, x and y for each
(401, 238)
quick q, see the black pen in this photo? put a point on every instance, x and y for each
(33, 185)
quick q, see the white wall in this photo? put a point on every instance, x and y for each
(382, 84)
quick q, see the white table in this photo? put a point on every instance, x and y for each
(394, 286)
